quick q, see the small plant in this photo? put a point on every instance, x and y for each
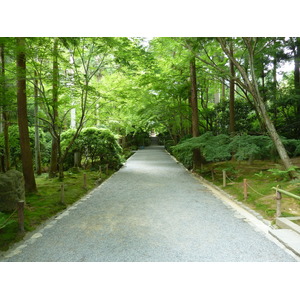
(4, 220)
(282, 174)
(260, 174)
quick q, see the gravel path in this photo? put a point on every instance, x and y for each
(151, 210)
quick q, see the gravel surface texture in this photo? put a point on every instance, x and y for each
(151, 210)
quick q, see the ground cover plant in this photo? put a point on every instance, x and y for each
(261, 178)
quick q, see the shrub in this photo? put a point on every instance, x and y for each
(94, 144)
(213, 148)
(222, 147)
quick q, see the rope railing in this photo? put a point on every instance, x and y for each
(278, 197)
(245, 185)
(255, 190)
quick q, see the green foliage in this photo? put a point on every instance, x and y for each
(5, 220)
(281, 175)
(250, 147)
(138, 139)
(213, 148)
(14, 145)
(222, 147)
(94, 144)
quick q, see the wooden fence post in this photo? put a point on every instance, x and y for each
(84, 181)
(106, 169)
(245, 189)
(100, 171)
(62, 193)
(224, 178)
(20, 206)
(212, 175)
(278, 204)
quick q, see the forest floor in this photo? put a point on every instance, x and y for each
(260, 180)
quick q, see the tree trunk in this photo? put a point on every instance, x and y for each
(5, 115)
(231, 96)
(297, 79)
(275, 89)
(252, 87)
(54, 151)
(223, 94)
(26, 155)
(38, 166)
(197, 160)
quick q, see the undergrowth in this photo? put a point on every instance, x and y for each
(261, 177)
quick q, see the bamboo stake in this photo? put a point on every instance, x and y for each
(245, 189)
(224, 178)
(62, 193)
(21, 215)
(84, 181)
(278, 203)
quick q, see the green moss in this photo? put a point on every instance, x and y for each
(260, 193)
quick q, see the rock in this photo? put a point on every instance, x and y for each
(12, 190)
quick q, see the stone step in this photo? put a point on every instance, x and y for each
(286, 223)
(288, 237)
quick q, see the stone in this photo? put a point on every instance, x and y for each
(12, 190)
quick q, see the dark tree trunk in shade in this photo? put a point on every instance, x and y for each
(231, 96)
(5, 114)
(38, 166)
(197, 160)
(297, 75)
(54, 151)
(26, 155)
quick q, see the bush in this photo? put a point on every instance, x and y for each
(14, 145)
(213, 148)
(222, 148)
(251, 147)
(95, 145)
(138, 139)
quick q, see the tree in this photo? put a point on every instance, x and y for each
(54, 114)
(231, 95)
(194, 109)
(27, 165)
(250, 84)
(5, 114)
(38, 165)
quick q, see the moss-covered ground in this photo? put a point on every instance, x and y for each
(260, 180)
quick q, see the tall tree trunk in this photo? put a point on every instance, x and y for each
(297, 80)
(231, 96)
(263, 88)
(54, 151)
(4, 115)
(195, 113)
(252, 87)
(27, 165)
(223, 94)
(38, 166)
(275, 89)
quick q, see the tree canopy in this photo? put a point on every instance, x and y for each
(131, 87)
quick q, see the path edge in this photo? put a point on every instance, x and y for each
(252, 217)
